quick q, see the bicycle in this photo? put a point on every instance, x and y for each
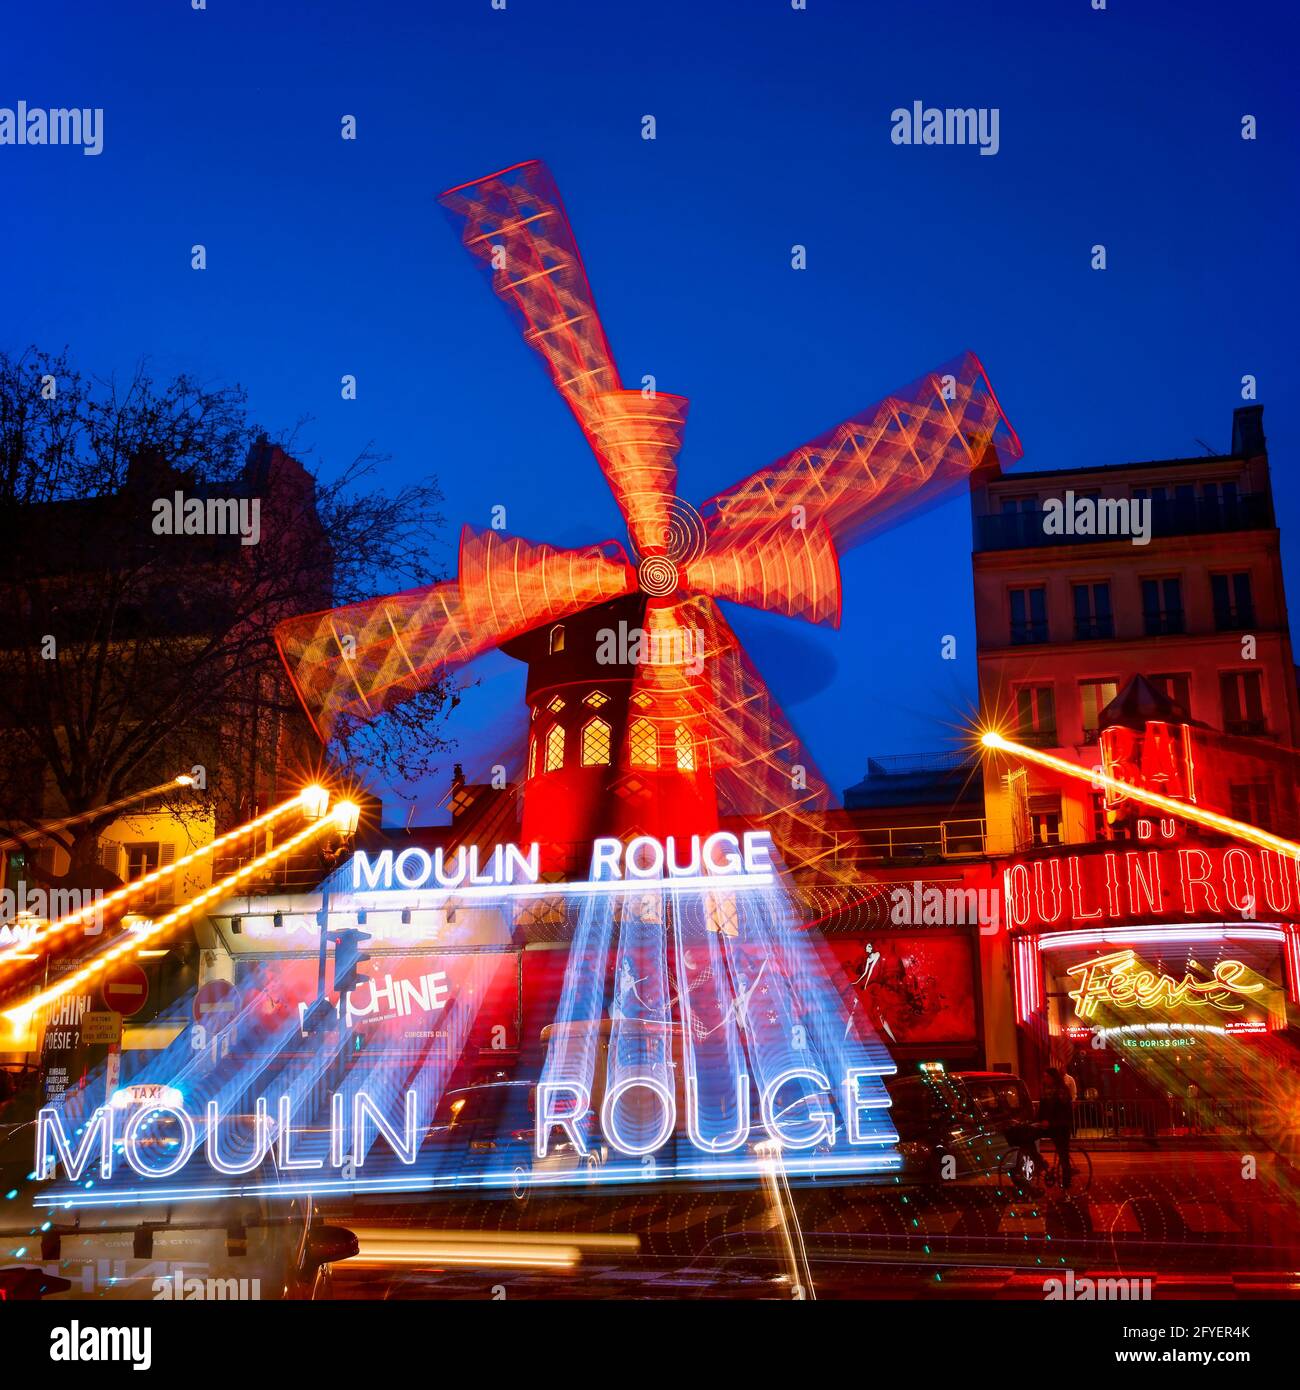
(1025, 1166)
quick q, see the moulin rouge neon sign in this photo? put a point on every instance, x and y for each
(1186, 883)
(1121, 981)
(510, 869)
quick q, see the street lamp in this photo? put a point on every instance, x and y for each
(315, 801)
(347, 816)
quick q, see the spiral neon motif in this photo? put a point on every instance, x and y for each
(657, 576)
(684, 537)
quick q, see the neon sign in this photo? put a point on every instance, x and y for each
(1119, 980)
(699, 1032)
(1189, 883)
(510, 870)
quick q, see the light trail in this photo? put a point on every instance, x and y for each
(20, 1015)
(137, 885)
(50, 826)
(1186, 810)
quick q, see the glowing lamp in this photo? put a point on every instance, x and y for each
(347, 816)
(184, 780)
(315, 802)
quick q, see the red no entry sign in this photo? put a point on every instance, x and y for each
(216, 1003)
(125, 989)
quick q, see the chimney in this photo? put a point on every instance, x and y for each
(1248, 440)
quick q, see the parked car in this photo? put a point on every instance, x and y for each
(953, 1124)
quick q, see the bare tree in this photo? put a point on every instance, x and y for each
(133, 650)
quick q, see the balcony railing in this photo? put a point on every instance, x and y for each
(1247, 728)
(948, 839)
(1234, 617)
(1024, 634)
(1172, 517)
(1093, 629)
(1164, 622)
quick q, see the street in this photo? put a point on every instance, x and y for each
(1187, 1219)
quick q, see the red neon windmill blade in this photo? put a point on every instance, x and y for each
(515, 224)
(360, 660)
(893, 459)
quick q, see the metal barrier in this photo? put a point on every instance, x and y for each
(1153, 1117)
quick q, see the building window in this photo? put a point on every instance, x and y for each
(595, 743)
(556, 704)
(532, 756)
(641, 700)
(1162, 606)
(1243, 702)
(1092, 615)
(643, 744)
(555, 747)
(1036, 715)
(1252, 802)
(1177, 689)
(142, 857)
(1234, 608)
(1045, 819)
(1028, 616)
(596, 699)
(1222, 496)
(1094, 696)
(685, 749)
(557, 639)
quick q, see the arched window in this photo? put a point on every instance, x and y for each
(595, 743)
(685, 746)
(643, 744)
(555, 747)
(532, 756)
(596, 699)
(557, 638)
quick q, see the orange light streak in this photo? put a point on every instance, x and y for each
(50, 826)
(20, 1015)
(1212, 820)
(74, 919)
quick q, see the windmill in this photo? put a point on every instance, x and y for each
(646, 716)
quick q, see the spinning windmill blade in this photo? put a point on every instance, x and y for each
(889, 461)
(362, 659)
(515, 224)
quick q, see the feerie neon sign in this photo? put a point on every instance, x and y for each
(1120, 980)
(1188, 883)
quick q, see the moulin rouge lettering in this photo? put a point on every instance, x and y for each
(1186, 883)
(721, 854)
(1120, 980)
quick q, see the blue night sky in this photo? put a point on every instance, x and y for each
(329, 257)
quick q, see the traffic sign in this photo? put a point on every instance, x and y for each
(101, 1027)
(125, 989)
(216, 1004)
